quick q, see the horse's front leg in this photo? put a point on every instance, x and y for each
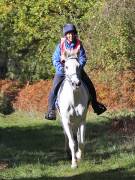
(81, 141)
(69, 134)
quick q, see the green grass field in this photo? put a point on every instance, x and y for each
(33, 148)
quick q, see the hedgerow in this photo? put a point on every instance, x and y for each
(31, 29)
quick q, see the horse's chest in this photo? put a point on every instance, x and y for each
(75, 112)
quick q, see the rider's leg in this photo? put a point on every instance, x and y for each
(51, 114)
(98, 107)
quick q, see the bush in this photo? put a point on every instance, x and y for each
(5, 104)
(108, 35)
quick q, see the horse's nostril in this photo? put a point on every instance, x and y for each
(79, 83)
(73, 83)
(76, 84)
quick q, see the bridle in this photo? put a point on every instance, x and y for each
(69, 77)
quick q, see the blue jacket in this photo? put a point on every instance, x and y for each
(57, 57)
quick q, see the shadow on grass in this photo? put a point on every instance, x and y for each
(118, 174)
(31, 144)
(45, 144)
(103, 133)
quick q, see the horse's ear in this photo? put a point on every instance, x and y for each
(65, 54)
(74, 54)
(68, 54)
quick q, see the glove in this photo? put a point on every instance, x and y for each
(63, 61)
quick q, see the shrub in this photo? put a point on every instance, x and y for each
(5, 104)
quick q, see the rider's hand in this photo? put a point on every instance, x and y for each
(63, 61)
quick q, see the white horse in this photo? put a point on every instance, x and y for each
(72, 101)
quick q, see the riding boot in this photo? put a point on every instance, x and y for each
(51, 114)
(98, 107)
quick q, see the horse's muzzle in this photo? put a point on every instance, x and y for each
(76, 84)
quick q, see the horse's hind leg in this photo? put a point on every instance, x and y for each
(75, 140)
(67, 149)
(81, 141)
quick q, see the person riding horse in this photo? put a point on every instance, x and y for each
(70, 42)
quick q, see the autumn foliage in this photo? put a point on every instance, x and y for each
(34, 97)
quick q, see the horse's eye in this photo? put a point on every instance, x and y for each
(66, 67)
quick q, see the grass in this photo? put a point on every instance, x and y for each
(33, 148)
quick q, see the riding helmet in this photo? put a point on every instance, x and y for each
(69, 28)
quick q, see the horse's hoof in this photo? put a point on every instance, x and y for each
(74, 166)
(78, 156)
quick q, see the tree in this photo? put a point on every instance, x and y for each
(31, 29)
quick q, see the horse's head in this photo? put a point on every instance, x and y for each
(72, 71)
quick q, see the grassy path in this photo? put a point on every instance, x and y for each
(32, 148)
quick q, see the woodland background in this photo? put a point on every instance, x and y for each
(29, 32)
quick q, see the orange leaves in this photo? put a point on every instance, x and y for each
(33, 97)
(118, 94)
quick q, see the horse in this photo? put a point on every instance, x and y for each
(73, 99)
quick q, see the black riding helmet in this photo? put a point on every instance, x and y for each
(69, 28)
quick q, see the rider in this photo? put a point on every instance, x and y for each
(70, 42)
